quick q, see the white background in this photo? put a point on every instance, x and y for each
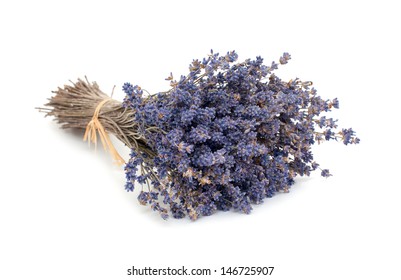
(64, 213)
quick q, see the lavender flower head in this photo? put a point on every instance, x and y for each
(226, 136)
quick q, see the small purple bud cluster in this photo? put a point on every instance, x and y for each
(226, 136)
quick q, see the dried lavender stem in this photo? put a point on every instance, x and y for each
(74, 106)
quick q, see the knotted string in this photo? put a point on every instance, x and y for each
(94, 127)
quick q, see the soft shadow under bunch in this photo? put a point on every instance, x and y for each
(226, 136)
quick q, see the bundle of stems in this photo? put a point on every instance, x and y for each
(84, 106)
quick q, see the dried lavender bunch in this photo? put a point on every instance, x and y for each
(225, 136)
